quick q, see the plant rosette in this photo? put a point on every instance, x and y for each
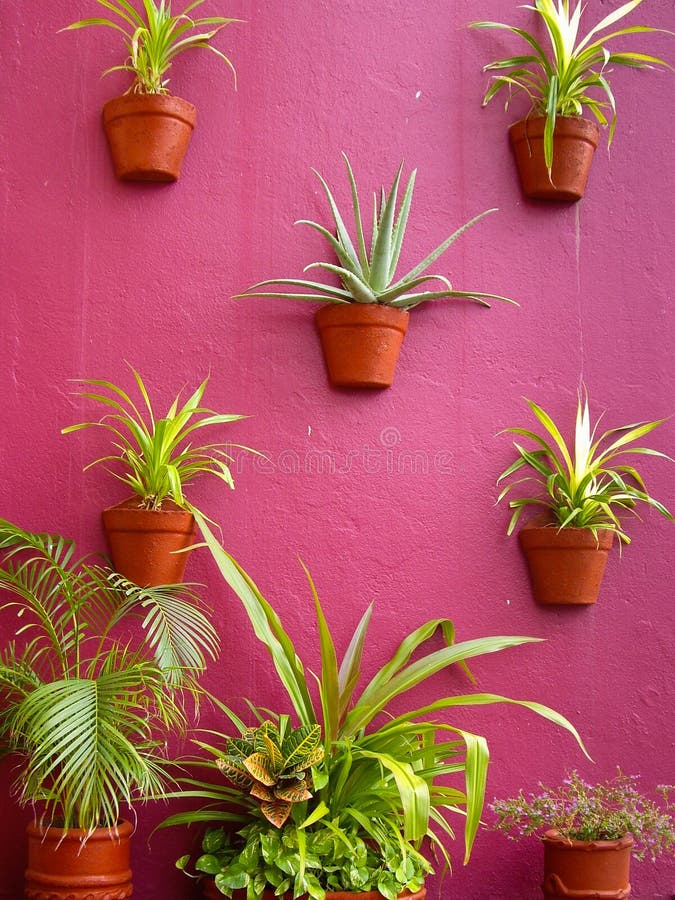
(585, 490)
(554, 145)
(148, 129)
(156, 457)
(363, 327)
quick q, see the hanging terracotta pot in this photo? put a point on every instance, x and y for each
(148, 135)
(62, 865)
(361, 343)
(211, 892)
(586, 869)
(574, 143)
(566, 565)
(143, 542)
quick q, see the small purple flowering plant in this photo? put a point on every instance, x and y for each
(581, 811)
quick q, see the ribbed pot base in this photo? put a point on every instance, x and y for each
(63, 867)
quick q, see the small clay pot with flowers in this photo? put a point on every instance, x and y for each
(590, 832)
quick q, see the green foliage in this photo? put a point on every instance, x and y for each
(606, 811)
(271, 762)
(157, 456)
(367, 276)
(587, 486)
(332, 856)
(154, 37)
(85, 702)
(573, 72)
(386, 776)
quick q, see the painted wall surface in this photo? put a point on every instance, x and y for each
(384, 495)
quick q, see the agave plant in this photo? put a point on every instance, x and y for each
(383, 776)
(585, 486)
(154, 37)
(156, 455)
(85, 700)
(368, 275)
(560, 80)
(271, 762)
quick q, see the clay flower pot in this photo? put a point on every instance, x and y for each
(62, 867)
(148, 135)
(566, 566)
(211, 892)
(361, 343)
(143, 542)
(586, 868)
(574, 143)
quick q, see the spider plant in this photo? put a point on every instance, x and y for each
(368, 274)
(85, 699)
(383, 774)
(154, 37)
(156, 457)
(587, 485)
(573, 71)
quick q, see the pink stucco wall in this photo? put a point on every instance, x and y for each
(384, 495)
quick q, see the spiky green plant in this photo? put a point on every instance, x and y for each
(154, 37)
(384, 777)
(560, 80)
(585, 486)
(156, 456)
(85, 700)
(368, 274)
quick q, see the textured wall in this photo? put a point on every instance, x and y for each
(386, 495)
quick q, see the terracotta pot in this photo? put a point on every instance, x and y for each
(586, 869)
(566, 566)
(148, 135)
(211, 892)
(62, 867)
(574, 143)
(361, 343)
(143, 542)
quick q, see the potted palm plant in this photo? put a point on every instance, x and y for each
(149, 129)
(365, 781)
(155, 457)
(586, 491)
(554, 144)
(592, 830)
(86, 702)
(363, 322)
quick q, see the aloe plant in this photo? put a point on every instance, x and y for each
(368, 274)
(586, 485)
(560, 80)
(389, 773)
(154, 37)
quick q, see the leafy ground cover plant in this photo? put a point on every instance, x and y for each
(156, 456)
(86, 700)
(368, 275)
(587, 485)
(381, 791)
(606, 811)
(572, 72)
(154, 37)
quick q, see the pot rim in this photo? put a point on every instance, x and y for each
(552, 837)
(123, 829)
